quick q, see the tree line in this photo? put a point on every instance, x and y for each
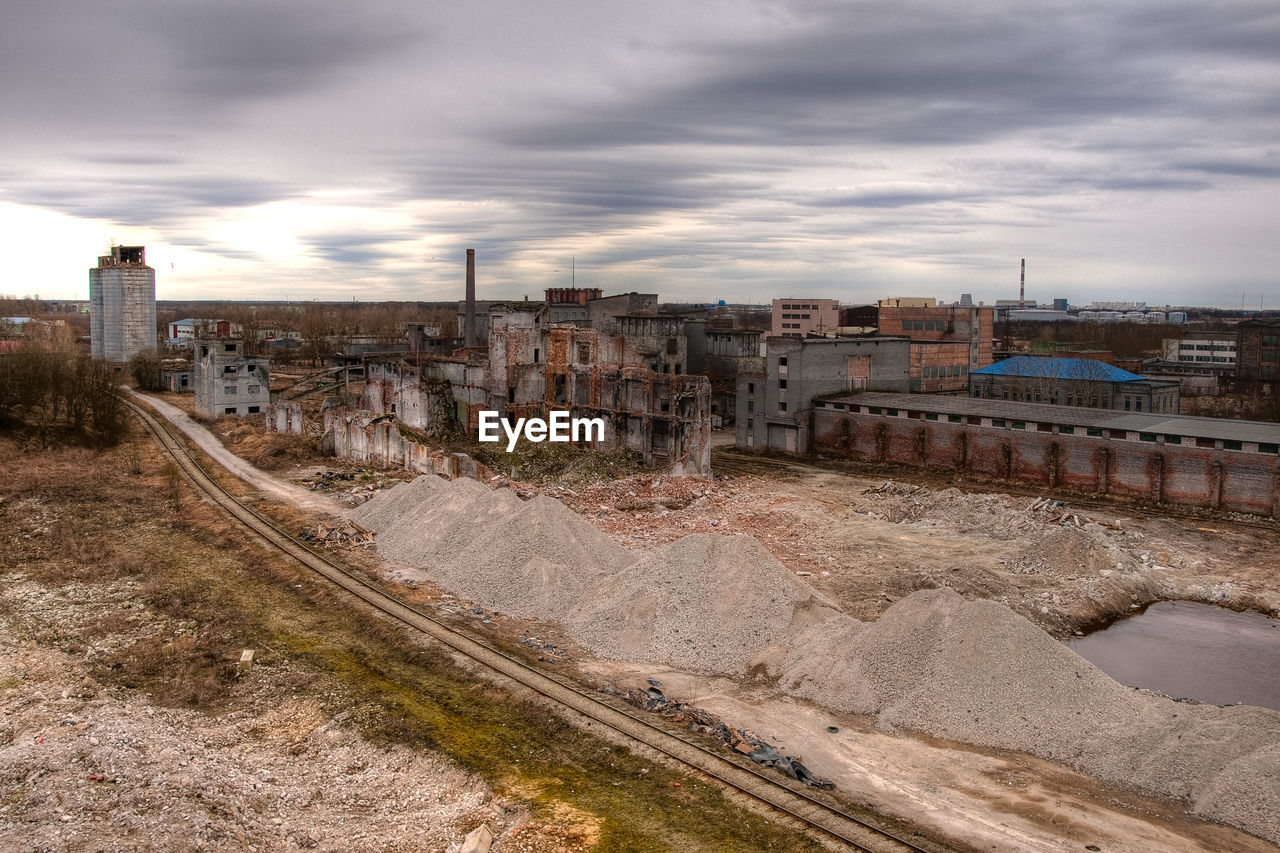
(51, 392)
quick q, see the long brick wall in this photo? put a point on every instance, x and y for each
(1177, 474)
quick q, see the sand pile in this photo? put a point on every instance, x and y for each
(706, 602)
(527, 559)
(977, 672)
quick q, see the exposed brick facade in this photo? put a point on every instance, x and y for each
(1138, 465)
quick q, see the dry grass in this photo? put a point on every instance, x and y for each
(210, 591)
(270, 451)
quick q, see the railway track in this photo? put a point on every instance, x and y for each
(797, 807)
(739, 464)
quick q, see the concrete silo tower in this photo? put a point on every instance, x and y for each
(122, 304)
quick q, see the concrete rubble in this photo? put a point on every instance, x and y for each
(342, 533)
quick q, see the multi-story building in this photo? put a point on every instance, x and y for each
(775, 407)
(226, 382)
(1258, 356)
(1216, 349)
(723, 353)
(122, 304)
(799, 318)
(970, 325)
(1073, 382)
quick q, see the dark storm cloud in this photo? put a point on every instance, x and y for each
(852, 129)
(144, 201)
(866, 73)
(243, 48)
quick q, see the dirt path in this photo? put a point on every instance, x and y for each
(995, 801)
(209, 443)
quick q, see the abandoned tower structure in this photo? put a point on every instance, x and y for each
(122, 304)
(226, 381)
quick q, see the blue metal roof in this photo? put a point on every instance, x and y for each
(1041, 367)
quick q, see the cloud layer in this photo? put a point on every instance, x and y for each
(732, 150)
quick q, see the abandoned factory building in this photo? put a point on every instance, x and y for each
(630, 372)
(226, 381)
(1208, 462)
(775, 408)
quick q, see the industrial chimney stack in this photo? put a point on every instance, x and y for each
(469, 325)
(1022, 286)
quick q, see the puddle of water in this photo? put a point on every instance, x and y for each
(1192, 650)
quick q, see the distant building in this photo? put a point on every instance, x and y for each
(226, 382)
(774, 408)
(122, 304)
(1073, 382)
(1258, 356)
(910, 302)
(182, 332)
(1203, 348)
(799, 318)
(569, 304)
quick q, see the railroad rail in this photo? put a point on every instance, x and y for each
(798, 808)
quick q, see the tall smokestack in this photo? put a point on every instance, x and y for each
(1022, 286)
(469, 326)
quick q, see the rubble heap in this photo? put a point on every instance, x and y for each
(743, 741)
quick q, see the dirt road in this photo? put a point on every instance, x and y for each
(209, 443)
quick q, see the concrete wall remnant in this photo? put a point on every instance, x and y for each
(1205, 462)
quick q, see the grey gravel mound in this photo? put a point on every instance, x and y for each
(972, 671)
(706, 602)
(977, 672)
(527, 559)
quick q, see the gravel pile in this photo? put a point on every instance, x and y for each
(706, 602)
(535, 558)
(972, 671)
(975, 671)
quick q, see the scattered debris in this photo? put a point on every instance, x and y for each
(742, 741)
(340, 534)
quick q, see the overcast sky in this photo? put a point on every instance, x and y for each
(713, 150)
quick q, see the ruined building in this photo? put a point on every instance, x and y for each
(122, 304)
(226, 382)
(722, 353)
(628, 377)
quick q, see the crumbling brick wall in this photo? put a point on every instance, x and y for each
(1168, 473)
